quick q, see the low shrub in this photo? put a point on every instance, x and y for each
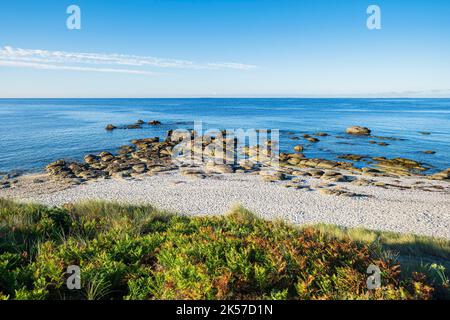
(141, 253)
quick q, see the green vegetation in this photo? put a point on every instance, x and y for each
(127, 252)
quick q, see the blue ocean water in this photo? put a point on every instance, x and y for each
(34, 132)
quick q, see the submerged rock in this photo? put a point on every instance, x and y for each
(352, 157)
(133, 126)
(110, 127)
(312, 139)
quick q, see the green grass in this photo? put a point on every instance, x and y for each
(137, 252)
(409, 247)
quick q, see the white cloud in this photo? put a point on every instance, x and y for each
(45, 66)
(77, 61)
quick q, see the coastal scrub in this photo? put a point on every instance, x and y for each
(137, 252)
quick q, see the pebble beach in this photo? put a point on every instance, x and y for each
(409, 210)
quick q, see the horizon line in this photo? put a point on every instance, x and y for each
(224, 97)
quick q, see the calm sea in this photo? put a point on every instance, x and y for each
(36, 132)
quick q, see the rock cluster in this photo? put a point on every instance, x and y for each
(137, 125)
(144, 155)
(400, 166)
(201, 156)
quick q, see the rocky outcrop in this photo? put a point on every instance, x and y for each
(352, 157)
(359, 131)
(137, 125)
(200, 157)
(443, 175)
(399, 166)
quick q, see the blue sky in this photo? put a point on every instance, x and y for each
(227, 48)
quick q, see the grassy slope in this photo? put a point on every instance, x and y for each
(128, 252)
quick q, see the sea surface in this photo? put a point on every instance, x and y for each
(35, 132)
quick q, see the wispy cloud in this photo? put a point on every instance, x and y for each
(45, 66)
(99, 62)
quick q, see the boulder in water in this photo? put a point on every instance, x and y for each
(359, 131)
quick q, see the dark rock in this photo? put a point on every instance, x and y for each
(133, 126)
(352, 157)
(154, 123)
(313, 140)
(110, 127)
